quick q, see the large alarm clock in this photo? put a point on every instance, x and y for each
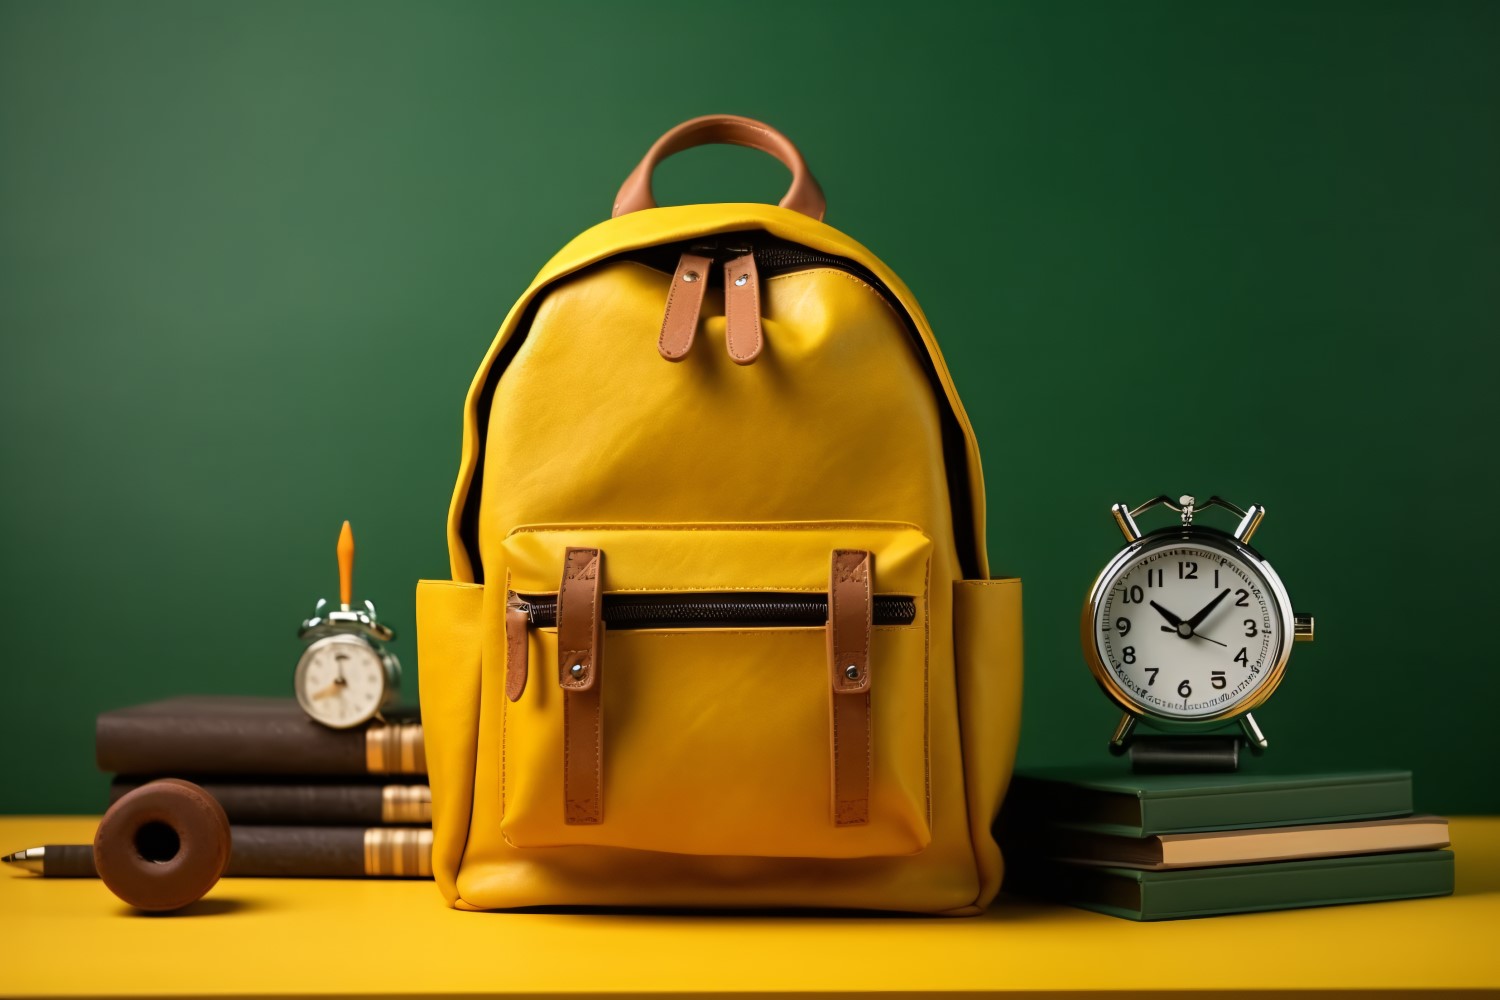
(1188, 628)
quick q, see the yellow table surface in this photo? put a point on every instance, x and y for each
(286, 937)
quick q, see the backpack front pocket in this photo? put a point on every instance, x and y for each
(733, 690)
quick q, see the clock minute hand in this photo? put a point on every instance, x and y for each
(1197, 619)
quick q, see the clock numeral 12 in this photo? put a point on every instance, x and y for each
(1187, 571)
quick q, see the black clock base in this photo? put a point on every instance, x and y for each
(1184, 754)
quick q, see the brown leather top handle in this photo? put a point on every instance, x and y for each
(803, 196)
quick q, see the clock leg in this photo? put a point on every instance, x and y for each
(1254, 738)
(1250, 522)
(1120, 741)
(1127, 524)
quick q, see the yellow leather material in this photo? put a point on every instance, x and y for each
(449, 620)
(716, 740)
(987, 643)
(683, 222)
(715, 789)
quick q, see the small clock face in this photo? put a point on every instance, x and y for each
(1190, 629)
(341, 681)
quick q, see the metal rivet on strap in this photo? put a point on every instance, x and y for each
(576, 670)
(851, 672)
(740, 281)
(690, 276)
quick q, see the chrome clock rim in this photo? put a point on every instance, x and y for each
(1211, 538)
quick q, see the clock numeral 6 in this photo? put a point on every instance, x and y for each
(1218, 680)
(1122, 625)
(1184, 690)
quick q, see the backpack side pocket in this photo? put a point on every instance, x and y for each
(987, 647)
(450, 618)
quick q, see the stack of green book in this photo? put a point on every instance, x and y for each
(1163, 846)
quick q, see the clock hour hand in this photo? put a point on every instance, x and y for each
(1172, 619)
(329, 691)
(1197, 619)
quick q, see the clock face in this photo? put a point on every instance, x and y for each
(341, 681)
(1190, 630)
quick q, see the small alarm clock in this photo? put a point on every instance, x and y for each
(1187, 629)
(346, 677)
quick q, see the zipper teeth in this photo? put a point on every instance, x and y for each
(777, 258)
(888, 610)
(786, 259)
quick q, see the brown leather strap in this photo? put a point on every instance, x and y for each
(851, 608)
(803, 196)
(580, 645)
(679, 325)
(742, 309)
(516, 667)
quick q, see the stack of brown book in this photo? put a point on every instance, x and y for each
(304, 800)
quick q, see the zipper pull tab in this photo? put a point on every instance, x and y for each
(684, 303)
(742, 309)
(517, 617)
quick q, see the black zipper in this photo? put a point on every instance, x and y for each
(773, 256)
(744, 610)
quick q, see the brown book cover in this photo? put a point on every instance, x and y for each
(241, 735)
(310, 802)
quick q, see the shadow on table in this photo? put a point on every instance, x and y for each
(219, 906)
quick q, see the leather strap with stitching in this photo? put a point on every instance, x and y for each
(580, 645)
(742, 309)
(803, 196)
(850, 624)
(516, 622)
(679, 324)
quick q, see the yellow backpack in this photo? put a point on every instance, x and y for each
(721, 631)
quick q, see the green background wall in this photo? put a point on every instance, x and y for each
(250, 255)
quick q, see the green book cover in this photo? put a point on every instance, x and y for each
(1202, 892)
(1116, 801)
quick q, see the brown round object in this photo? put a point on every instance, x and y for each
(163, 845)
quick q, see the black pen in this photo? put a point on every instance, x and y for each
(278, 852)
(56, 860)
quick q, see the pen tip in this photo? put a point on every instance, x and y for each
(29, 859)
